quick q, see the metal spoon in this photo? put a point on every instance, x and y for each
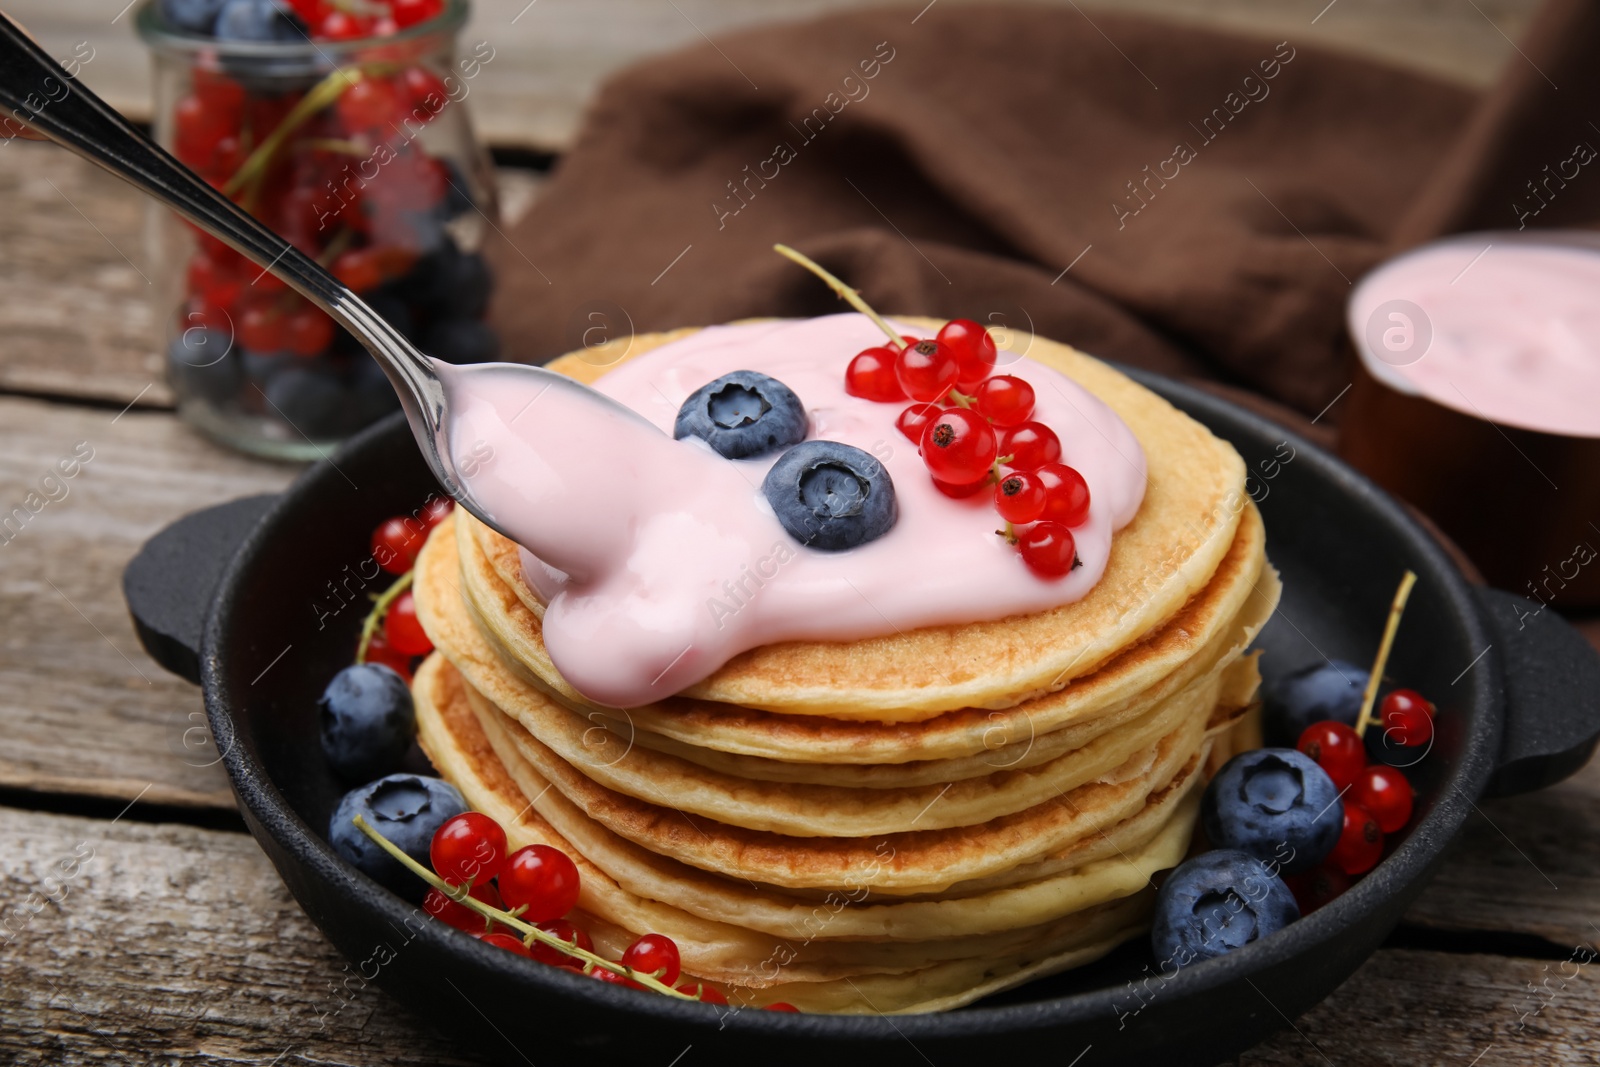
(35, 89)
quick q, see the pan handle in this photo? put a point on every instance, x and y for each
(170, 584)
(1552, 676)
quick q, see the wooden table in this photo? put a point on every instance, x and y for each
(140, 924)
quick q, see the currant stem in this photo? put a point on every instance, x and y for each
(850, 295)
(380, 607)
(459, 894)
(960, 399)
(319, 96)
(1396, 609)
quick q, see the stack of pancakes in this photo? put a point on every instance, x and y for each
(904, 823)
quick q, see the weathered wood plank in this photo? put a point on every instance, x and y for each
(551, 55)
(175, 945)
(82, 708)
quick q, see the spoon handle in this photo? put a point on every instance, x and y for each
(35, 89)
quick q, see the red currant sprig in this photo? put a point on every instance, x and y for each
(968, 424)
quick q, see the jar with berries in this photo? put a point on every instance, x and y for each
(343, 125)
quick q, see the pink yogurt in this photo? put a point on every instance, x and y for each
(659, 560)
(1502, 326)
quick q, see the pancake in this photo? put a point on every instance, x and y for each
(1194, 498)
(1244, 590)
(630, 886)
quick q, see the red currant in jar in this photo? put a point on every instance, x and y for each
(914, 419)
(1386, 793)
(371, 104)
(1066, 494)
(926, 370)
(1407, 718)
(543, 878)
(973, 348)
(261, 329)
(1004, 400)
(1335, 748)
(1048, 549)
(208, 278)
(395, 544)
(308, 331)
(568, 932)
(410, 12)
(1360, 843)
(655, 955)
(505, 941)
(1030, 445)
(424, 92)
(404, 631)
(460, 916)
(339, 25)
(958, 446)
(1020, 498)
(359, 269)
(1318, 886)
(471, 847)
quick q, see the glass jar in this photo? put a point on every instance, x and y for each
(360, 153)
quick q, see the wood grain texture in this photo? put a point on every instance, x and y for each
(82, 708)
(175, 945)
(552, 54)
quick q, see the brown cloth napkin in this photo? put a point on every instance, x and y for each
(1187, 201)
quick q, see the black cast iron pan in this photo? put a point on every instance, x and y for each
(260, 602)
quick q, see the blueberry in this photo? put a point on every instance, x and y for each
(831, 496)
(196, 16)
(261, 367)
(203, 364)
(256, 20)
(1328, 690)
(405, 808)
(1215, 903)
(367, 721)
(1275, 804)
(462, 341)
(743, 414)
(450, 282)
(310, 400)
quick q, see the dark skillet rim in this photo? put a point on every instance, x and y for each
(1403, 869)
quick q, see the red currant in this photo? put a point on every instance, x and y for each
(655, 955)
(1335, 748)
(1020, 497)
(543, 878)
(1030, 445)
(1360, 842)
(261, 329)
(780, 1005)
(401, 626)
(926, 370)
(436, 510)
(958, 446)
(359, 269)
(469, 847)
(460, 916)
(1316, 887)
(424, 92)
(914, 419)
(207, 278)
(961, 492)
(973, 348)
(308, 331)
(370, 104)
(410, 12)
(1048, 549)
(505, 941)
(871, 375)
(572, 935)
(339, 25)
(1005, 400)
(704, 993)
(1386, 793)
(1066, 494)
(613, 978)
(395, 544)
(378, 651)
(311, 12)
(1407, 718)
